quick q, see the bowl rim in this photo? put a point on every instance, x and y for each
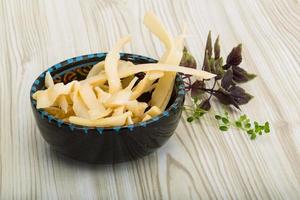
(60, 123)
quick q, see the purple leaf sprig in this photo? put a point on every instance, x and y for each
(226, 86)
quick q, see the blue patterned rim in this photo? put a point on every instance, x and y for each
(60, 123)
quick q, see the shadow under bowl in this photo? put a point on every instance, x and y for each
(105, 145)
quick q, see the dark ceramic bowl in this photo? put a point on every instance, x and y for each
(105, 145)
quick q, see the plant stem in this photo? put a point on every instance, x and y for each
(204, 89)
(241, 128)
(212, 89)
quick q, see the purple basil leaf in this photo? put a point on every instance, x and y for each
(241, 76)
(208, 47)
(239, 95)
(227, 79)
(225, 98)
(205, 105)
(207, 53)
(188, 60)
(235, 56)
(212, 65)
(196, 88)
(217, 48)
(226, 66)
(206, 62)
(219, 69)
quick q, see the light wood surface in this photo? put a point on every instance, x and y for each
(198, 162)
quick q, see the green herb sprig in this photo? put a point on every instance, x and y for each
(243, 123)
(226, 88)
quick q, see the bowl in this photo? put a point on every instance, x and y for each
(105, 145)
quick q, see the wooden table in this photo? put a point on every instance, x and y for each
(198, 161)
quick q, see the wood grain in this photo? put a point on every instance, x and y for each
(198, 162)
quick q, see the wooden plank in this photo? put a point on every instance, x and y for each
(197, 162)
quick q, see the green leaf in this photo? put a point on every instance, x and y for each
(247, 120)
(201, 114)
(238, 124)
(190, 119)
(223, 128)
(267, 127)
(256, 126)
(225, 120)
(253, 136)
(243, 117)
(198, 113)
(248, 125)
(251, 131)
(267, 130)
(218, 117)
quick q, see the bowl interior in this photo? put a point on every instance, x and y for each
(77, 69)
